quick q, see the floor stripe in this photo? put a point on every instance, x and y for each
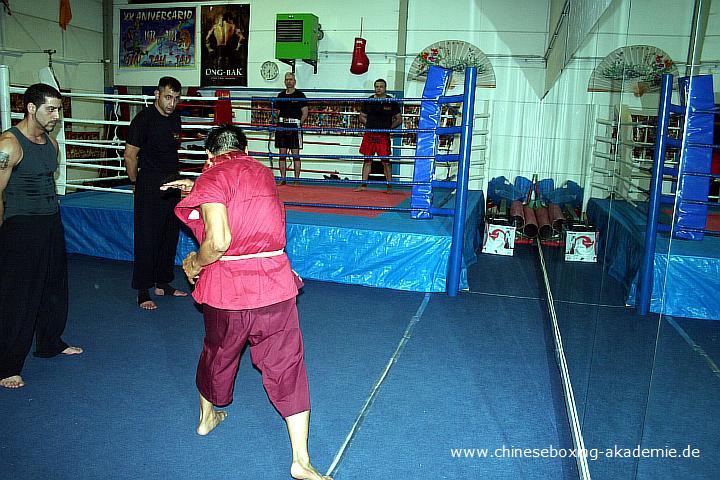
(696, 348)
(581, 458)
(505, 295)
(590, 304)
(332, 470)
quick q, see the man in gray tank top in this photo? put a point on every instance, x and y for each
(33, 283)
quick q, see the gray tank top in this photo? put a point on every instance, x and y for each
(31, 188)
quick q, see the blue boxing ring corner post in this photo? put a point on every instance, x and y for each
(426, 153)
(463, 175)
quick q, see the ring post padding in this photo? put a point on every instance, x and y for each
(5, 113)
(697, 93)
(421, 199)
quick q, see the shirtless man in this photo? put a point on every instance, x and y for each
(223, 31)
(33, 283)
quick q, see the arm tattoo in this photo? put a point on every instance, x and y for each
(4, 160)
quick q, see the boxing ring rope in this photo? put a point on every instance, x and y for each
(146, 99)
(695, 147)
(621, 174)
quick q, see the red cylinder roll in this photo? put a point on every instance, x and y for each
(516, 213)
(543, 220)
(557, 219)
(530, 229)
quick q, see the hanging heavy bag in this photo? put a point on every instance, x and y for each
(360, 61)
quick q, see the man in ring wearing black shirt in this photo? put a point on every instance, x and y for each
(291, 114)
(381, 116)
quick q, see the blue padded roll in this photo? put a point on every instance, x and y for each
(437, 80)
(696, 159)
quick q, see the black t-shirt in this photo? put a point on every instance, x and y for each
(158, 138)
(291, 108)
(380, 114)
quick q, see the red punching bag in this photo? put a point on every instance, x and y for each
(360, 61)
(223, 108)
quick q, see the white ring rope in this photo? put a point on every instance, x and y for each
(109, 140)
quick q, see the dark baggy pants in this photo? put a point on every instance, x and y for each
(156, 231)
(276, 349)
(33, 289)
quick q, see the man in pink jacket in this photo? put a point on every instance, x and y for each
(247, 289)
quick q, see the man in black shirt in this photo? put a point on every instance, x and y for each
(292, 114)
(378, 115)
(151, 159)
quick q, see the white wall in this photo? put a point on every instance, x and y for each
(33, 25)
(340, 22)
(665, 24)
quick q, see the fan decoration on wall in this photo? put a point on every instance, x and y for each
(457, 56)
(635, 68)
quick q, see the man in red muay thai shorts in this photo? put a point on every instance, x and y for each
(378, 115)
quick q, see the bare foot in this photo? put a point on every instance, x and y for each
(207, 425)
(148, 305)
(361, 188)
(15, 381)
(164, 291)
(72, 351)
(306, 472)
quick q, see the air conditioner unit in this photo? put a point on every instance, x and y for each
(296, 36)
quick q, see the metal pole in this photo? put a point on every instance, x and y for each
(461, 192)
(4, 98)
(645, 279)
(701, 11)
(107, 6)
(401, 46)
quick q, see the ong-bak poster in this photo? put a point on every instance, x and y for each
(157, 38)
(224, 41)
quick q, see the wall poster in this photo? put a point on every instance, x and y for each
(223, 61)
(157, 38)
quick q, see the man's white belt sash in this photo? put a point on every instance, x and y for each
(274, 253)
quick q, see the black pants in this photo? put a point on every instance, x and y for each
(156, 230)
(33, 289)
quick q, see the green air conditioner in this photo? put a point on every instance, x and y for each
(296, 36)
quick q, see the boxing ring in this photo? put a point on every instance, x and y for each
(420, 237)
(664, 244)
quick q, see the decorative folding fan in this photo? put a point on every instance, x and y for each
(456, 55)
(636, 68)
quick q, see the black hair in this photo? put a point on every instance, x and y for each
(38, 94)
(225, 138)
(380, 80)
(171, 82)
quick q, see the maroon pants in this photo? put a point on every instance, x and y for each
(276, 349)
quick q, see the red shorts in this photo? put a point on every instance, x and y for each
(276, 349)
(375, 143)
